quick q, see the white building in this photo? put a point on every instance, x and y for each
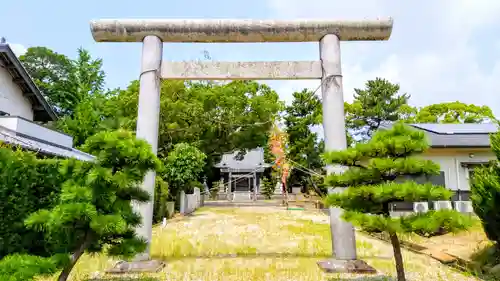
(21, 105)
(457, 148)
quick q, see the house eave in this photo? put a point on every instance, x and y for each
(41, 108)
(460, 146)
(40, 146)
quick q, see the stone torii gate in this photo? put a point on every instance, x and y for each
(154, 32)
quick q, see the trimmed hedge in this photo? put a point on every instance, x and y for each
(27, 184)
(160, 200)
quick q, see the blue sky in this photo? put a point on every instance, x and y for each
(439, 51)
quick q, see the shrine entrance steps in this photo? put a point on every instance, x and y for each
(259, 203)
(242, 196)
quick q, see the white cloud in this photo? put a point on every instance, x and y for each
(470, 14)
(437, 52)
(18, 49)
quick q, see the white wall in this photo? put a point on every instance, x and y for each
(34, 130)
(12, 100)
(450, 161)
(190, 202)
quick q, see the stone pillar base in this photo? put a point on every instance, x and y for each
(346, 266)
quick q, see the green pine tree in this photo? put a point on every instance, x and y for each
(379, 173)
(378, 103)
(304, 147)
(94, 211)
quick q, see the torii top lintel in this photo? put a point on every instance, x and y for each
(238, 30)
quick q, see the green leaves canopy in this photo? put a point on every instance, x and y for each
(183, 165)
(449, 112)
(27, 184)
(215, 118)
(63, 81)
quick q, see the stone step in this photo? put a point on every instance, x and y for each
(242, 196)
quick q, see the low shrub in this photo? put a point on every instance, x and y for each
(267, 188)
(160, 200)
(214, 191)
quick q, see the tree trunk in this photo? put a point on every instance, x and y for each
(398, 257)
(75, 256)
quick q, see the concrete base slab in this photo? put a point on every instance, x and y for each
(240, 196)
(346, 266)
(123, 267)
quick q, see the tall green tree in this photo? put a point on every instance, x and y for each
(380, 172)
(50, 72)
(65, 82)
(449, 112)
(183, 166)
(379, 102)
(304, 148)
(485, 196)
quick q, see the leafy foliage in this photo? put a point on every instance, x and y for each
(93, 211)
(380, 172)
(31, 266)
(214, 118)
(27, 184)
(267, 187)
(435, 223)
(63, 81)
(91, 116)
(379, 102)
(183, 166)
(486, 193)
(449, 112)
(304, 148)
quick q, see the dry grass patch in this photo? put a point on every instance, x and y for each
(463, 244)
(261, 244)
(264, 268)
(241, 232)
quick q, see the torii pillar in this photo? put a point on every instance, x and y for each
(154, 32)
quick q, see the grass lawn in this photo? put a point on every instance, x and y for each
(260, 243)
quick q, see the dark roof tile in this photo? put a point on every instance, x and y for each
(457, 135)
